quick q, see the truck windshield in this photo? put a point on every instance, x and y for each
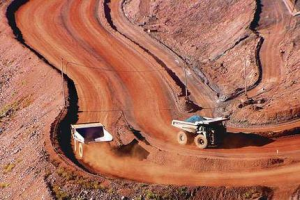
(195, 118)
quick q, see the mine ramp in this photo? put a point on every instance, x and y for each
(87, 133)
(204, 130)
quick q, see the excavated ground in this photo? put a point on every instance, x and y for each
(221, 55)
(134, 85)
(212, 38)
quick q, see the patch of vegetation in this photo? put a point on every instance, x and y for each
(23, 83)
(150, 195)
(110, 191)
(26, 102)
(139, 198)
(8, 168)
(251, 194)
(59, 193)
(47, 173)
(10, 109)
(14, 94)
(4, 185)
(86, 184)
(62, 172)
(78, 180)
(183, 191)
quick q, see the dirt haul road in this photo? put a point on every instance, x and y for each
(112, 74)
(271, 61)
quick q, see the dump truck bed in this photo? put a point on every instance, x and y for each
(90, 132)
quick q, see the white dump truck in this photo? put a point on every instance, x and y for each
(87, 133)
(203, 130)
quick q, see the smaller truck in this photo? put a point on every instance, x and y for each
(203, 130)
(87, 133)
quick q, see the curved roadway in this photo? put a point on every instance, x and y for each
(113, 73)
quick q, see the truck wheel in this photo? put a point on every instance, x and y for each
(80, 149)
(201, 141)
(182, 138)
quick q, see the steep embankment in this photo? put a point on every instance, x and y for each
(133, 85)
(26, 114)
(197, 42)
(213, 38)
(120, 83)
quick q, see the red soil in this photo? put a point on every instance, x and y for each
(26, 113)
(119, 76)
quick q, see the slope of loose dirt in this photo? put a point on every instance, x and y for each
(26, 113)
(204, 33)
(111, 74)
(279, 30)
(275, 24)
(123, 84)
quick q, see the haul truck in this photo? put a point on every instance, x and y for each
(205, 131)
(87, 133)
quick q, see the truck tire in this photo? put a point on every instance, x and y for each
(201, 141)
(80, 149)
(182, 137)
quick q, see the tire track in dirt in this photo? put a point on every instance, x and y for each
(70, 30)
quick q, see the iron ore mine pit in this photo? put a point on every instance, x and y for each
(187, 99)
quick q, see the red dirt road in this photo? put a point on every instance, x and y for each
(115, 74)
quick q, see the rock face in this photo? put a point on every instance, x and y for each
(221, 39)
(213, 37)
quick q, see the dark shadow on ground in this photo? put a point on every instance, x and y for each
(240, 140)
